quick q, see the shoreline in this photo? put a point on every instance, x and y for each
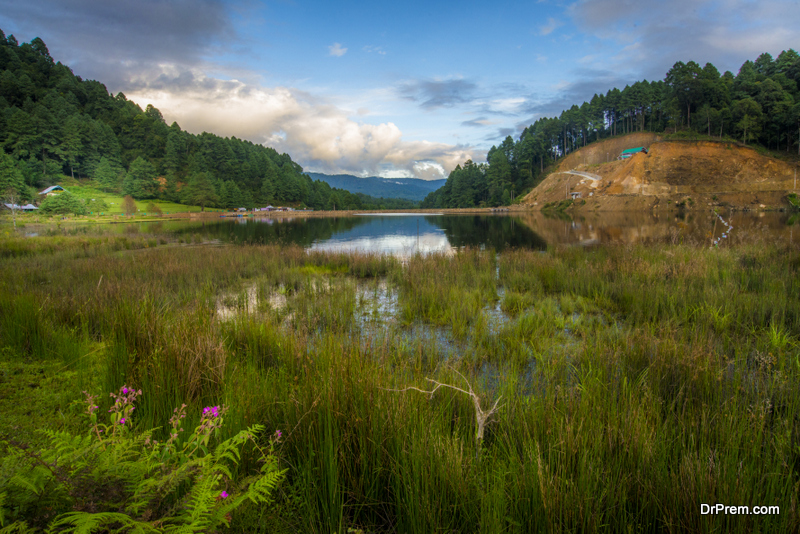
(622, 203)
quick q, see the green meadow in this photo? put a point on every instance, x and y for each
(90, 193)
(105, 203)
(618, 388)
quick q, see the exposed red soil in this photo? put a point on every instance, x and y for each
(692, 173)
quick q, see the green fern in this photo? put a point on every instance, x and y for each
(17, 527)
(83, 523)
(114, 480)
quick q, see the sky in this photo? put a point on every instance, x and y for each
(393, 89)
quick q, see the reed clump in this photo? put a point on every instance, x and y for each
(637, 382)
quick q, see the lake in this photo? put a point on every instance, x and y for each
(404, 234)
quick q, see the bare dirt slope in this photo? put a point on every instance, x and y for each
(691, 173)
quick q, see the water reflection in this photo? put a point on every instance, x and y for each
(397, 234)
(695, 227)
(404, 234)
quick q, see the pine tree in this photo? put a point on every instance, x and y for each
(10, 176)
(108, 175)
(200, 191)
(140, 182)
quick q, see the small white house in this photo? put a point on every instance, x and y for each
(26, 207)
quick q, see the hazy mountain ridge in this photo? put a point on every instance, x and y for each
(406, 188)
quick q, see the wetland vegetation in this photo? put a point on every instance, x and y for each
(635, 382)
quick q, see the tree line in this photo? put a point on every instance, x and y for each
(54, 123)
(761, 104)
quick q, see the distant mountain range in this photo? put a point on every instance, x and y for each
(407, 188)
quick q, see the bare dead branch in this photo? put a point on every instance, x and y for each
(482, 417)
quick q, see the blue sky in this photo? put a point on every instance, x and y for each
(391, 89)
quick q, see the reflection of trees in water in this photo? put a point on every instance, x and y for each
(497, 232)
(559, 215)
(286, 231)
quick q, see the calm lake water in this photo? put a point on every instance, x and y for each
(404, 234)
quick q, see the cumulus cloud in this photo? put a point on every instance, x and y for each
(336, 50)
(317, 134)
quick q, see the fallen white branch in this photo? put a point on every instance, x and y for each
(482, 417)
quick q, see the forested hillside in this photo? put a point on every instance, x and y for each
(53, 123)
(760, 105)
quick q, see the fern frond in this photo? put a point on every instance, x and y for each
(86, 523)
(35, 481)
(160, 487)
(261, 489)
(201, 500)
(17, 527)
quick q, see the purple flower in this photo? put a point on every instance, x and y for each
(122, 421)
(124, 391)
(224, 495)
(278, 434)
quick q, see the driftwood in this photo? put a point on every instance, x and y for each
(481, 416)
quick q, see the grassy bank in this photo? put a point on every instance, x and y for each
(635, 383)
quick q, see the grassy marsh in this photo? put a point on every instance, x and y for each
(636, 382)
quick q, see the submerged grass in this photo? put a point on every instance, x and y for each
(636, 382)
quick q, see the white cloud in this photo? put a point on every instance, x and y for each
(508, 105)
(550, 27)
(429, 170)
(337, 50)
(318, 135)
(396, 173)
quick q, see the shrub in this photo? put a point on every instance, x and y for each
(62, 204)
(153, 208)
(96, 205)
(128, 205)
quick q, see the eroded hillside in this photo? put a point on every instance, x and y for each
(691, 173)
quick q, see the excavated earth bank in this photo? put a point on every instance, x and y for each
(689, 174)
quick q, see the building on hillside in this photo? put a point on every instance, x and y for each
(52, 190)
(631, 151)
(26, 207)
(575, 194)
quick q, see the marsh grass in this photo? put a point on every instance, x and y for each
(637, 382)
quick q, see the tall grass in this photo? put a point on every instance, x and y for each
(636, 382)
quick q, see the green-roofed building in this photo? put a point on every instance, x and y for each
(631, 151)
